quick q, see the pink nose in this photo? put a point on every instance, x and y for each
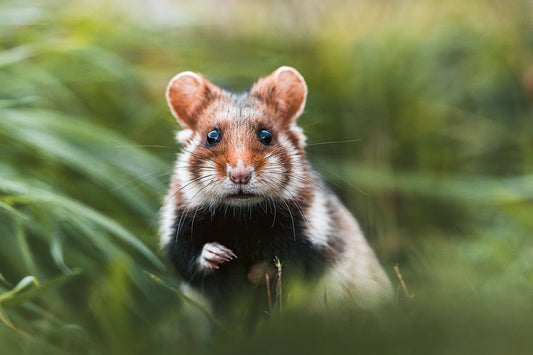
(240, 175)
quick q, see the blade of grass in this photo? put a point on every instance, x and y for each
(475, 189)
(19, 287)
(19, 297)
(12, 210)
(186, 299)
(4, 318)
(27, 257)
(34, 195)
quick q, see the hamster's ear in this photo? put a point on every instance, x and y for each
(187, 95)
(284, 91)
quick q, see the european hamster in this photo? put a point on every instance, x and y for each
(243, 194)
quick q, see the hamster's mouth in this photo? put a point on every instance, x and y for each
(242, 195)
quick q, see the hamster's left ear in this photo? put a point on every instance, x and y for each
(188, 94)
(284, 91)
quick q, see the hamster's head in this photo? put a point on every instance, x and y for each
(239, 150)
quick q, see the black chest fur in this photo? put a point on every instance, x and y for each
(257, 234)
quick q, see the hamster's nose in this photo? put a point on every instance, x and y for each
(240, 174)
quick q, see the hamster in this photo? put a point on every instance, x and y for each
(243, 194)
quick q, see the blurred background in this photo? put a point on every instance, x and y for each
(434, 99)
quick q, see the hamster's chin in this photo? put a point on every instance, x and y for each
(242, 199)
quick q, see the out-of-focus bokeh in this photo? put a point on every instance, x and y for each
(419, 115)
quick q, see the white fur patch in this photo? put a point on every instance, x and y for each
(296, 179)
(169, 204)
(167, 220)
(239, 165)
(184, 135)
(301, 136)
(318, 222)
(184, 176)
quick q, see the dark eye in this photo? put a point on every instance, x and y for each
(213, 137)
(265, 136)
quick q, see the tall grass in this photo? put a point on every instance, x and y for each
(432, 99)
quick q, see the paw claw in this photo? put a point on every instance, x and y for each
(213, 255)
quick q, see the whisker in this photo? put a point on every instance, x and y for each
(142, 177)
(294, 199)
(346, 182)
(198, 155)
(196, 166)
(143, 146)
(168, 199)
(186, 212)
(292, 220)
(298, 178)
(334, 142)
(297, 203)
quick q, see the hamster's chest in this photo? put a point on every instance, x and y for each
(254, 236)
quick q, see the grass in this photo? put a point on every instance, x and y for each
(432, 99)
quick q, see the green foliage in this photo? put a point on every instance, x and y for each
(432, 98)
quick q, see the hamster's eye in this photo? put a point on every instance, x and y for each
(265, 136)
(213, 137)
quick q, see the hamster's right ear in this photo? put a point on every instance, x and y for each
(187, 95)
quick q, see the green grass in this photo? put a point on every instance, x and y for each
(434, 98)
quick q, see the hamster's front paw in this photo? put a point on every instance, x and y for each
(258, 271)
(213, 255)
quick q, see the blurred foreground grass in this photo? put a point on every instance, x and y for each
(441, 177)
